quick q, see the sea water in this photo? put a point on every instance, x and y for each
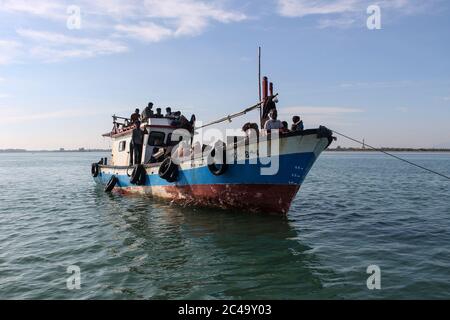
(354, 210)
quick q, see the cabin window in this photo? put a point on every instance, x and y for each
(122, 146)
(156, 139)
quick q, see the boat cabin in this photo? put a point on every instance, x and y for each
(158, 137)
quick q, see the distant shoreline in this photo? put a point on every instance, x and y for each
(48, 151)
(389, 150)
(327, 150)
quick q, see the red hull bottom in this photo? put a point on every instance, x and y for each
(254, 198)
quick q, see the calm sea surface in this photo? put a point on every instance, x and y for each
(354, 210)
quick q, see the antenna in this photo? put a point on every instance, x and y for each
(259, 72)
(259, 80)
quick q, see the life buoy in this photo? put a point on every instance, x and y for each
(95, 170)
(111, 184)
(138, 176)
(168, 170)
(218, 169)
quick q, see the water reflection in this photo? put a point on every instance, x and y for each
(203, 253)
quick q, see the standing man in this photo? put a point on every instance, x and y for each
(168, 112)
(135, 116)
(267, 106)
(137, 140)
(273, 123)
(148, 112)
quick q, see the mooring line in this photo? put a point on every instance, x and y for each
(392, 155)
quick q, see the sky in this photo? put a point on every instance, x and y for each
(67, 66)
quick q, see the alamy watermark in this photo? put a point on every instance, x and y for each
(74, 19)
(374, 280)
(255, 147)
(374, 20)
(73, 282)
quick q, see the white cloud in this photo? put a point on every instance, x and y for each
(13, 118)
(191, 17)
(345, 13)
(115, 9)
(176, 18)
(51, 47)
(319, 110)
(3, 95)
(102, 21)
(8, 51)
(314, 116)
(301, 8)
(341, 23)
(44, 8)
(148, 32)
(402, 109)
(377, 85)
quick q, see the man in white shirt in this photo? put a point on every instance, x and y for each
(273, 123)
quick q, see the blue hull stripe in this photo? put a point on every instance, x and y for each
(293, 169)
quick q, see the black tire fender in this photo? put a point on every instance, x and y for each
(95, 170)
(168, 170)
(111, 184)
(139, 175)
(174, 175)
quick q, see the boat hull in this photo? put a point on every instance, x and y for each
(242, 186)
(251, 197)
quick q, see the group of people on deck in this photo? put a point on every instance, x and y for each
(270, 118)
(177, 120)
(148, 113)
(270, 121)
(274, 124)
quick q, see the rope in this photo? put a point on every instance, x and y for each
(394, 156)
(232, 116)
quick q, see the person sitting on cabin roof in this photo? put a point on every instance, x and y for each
(135, 116)
(158, 113)
(297, 124)
(273, 123)
(285, 128)
(148, 112)
(176, 119)
(137, 140)
(184, 123)
(168, 112)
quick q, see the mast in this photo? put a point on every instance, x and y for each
(259, 80)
